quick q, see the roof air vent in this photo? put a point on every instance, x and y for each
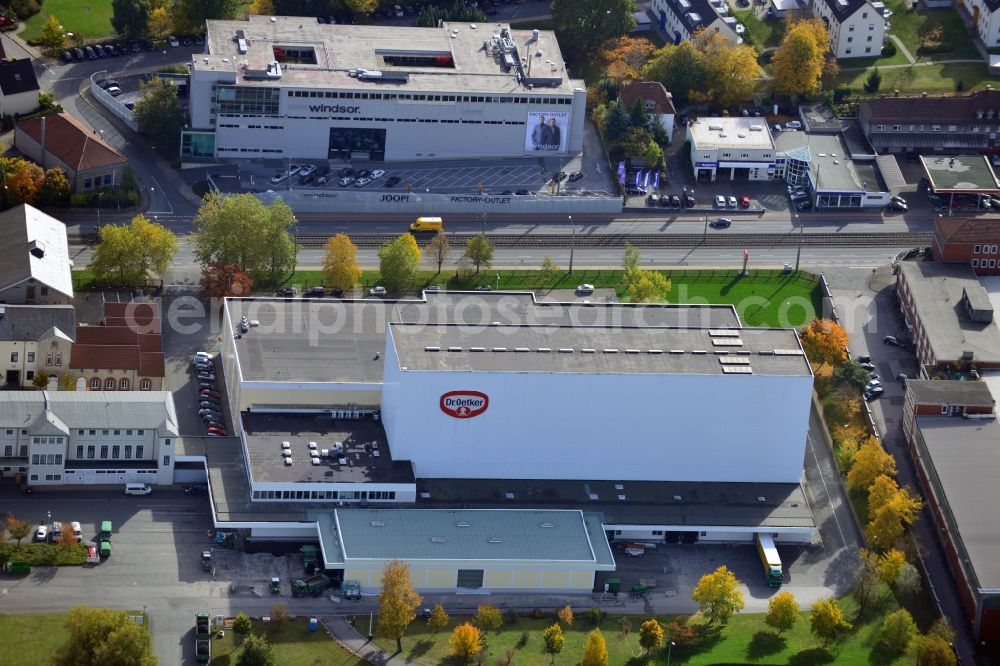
(37, 249)
(495, 539)
(438, 539)
(462, 523)
(378, 523)
(546, 525)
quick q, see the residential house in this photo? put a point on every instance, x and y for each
(952, 433)
(856, 27)
(93, 438)
(933, 124)
(60, 140)
(124, 353)
(975, 243)
(658, 102)
(949, 315)
(36, 268)
(18, 87)
(680, 19)
(985, 16)
(34, 339)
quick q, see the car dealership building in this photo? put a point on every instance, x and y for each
(289, 87)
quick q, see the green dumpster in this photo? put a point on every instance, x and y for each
(613, 585)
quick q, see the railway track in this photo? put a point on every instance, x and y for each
(712, 239)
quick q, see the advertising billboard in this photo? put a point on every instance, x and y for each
(546, 131)
(464, 404)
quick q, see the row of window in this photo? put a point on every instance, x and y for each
(976, 129)
(362, 495)
(122, 384)
(250, 150)
(97, 181)
(8, 451)
(115, 450)
(46, 458)
(851, 39)
(868, 49)
(474, 99)
(48, 477)
(105, 433)
(985, 263)
(30, 356)
(986, 249)
(397, 120)
(117, 471)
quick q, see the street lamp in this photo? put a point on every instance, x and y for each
(498, 281)
(798, 251)
(572, 244)
(670, 647)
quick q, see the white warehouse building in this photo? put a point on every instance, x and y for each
(289, 87)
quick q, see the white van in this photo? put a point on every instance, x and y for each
(137, 489)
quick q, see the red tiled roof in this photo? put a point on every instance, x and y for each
(151, 364)
(69, 140)
(129, 340)
(965, 230)
(144, 325)
(105, 335)
(933, 110)
(647, 90)
(115, 357)
(152, 342)
(132, 309)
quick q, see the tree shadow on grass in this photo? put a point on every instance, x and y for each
(419, 649)
(764, 643)
(880, 654)
(819, 655)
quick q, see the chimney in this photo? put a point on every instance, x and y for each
(42, 144)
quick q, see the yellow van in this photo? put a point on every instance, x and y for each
(428, 224)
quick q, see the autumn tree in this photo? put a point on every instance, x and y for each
(220, 280)
(866, 579)
(397, 602)
(67, 382)
(52, 37)
(361, 7)
(645, 286)
(40, 380)
(718, 595)
(799, 61)
(438, 619)
(826, 620)
(782, 612)
(730, 71)
(66, 538)
(398, 260)
(23, 183)
(824, 341)
(103, 636)
(128, 255)
(18, 528)
(624, 58)
(585, 25)
(56, 189)
(159, 116)
(870, 461)
(279, 615)
(631, 257)
(256, 651)
(479, 252)
(130, 18)
(554, 640)
(159, 23)
(262, 7)
(242, 624)
(679, 67)
(549, 270)
(651, 635)
(465, 642)
(488, 618)
(595, 651)
(340, 263)
(241, 229)
(438, 250)
(934, 651)
(564, 616)
(930, 40)
(890, 564)
(898, 629)
(888, 521)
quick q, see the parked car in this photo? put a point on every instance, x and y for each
(173, 41)
(721, 223)
(307, 169)
(803, 206)
(482, 287)
(345, 171)
(377, 291)
(575, 176)
(744, 201)
(689, 200)
(634, 191)
(902, 377)
(99, 50)
(891, 340)
(793, 124)
(114, 91)
(210, 393)
(867, 366)
(77, 532)
(196, 489)
(392, 181)
(522, 192)
(314, 292)
(361, 182)
(42, 533)
(78, 54)
(364, 173)
(286, 292)
(675, 201)
(585, 289)
(898, 205)
(732, 202)
(91, 55)
(873, 392)
(206, 376)
(109, 83)
(720, 201)
(864, 359)
(66, 57)
(346, 180)
(377, 173)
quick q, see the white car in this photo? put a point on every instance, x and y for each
(585, 289)
(888, 26)
(346, 180)
(887, 13)
(307, 169)
(732, 202)
(173, 41)
(42, 533)
(872, 383)
(361, 182)
(720, 201)
(793, 124)
(377, 173)
(377, 291)
(740, 29)
(77, 532)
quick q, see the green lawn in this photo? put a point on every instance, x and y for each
(88, 19)
(932, 78)
(746, 640)
(764, 298)
(763, 34)
(909, 25)
(31, 639)
(294, 645)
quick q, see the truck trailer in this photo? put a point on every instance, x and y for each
(770, 560)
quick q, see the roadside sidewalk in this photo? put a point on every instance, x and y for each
(348, 637)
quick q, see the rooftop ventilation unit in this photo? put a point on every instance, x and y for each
(655, 351)
(678, 498)
(499, 349)
(621, 498)
(36, 248)
(610, 351)
(565, 350)
(454, 349)
(432, 349)
(495, 539)
(546, 525)
(378, 523)
(761, 498)
(438, 539)
(508, 495)
(521, 349)
(477, 349)
(587, 351)
(242, 46)
(462, 523)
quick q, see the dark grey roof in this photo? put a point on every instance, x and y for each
(693, 14)
(962, 461)
(946, 392)
(17, 76)
(341, 340)
(844, 8)
(463, 348)
(31, 322)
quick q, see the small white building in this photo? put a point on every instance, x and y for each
(18, 87)
(856, 27)
(658, 102)
(985, 16)
(88, 437)
(36, 267)
(731, 149)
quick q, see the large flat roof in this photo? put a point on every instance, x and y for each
(340, 48)
(365, 456)
(701, 351)
(330, 340)
(937, 392)
(735, 132)
(465, 534)
(937, 293)
(960, 173)
(962, 459)
(829, 160)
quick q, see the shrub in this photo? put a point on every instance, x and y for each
(241, 624)
(537, 613)
(889, 49)
(523, 640)
(595, 614)
(511, 614)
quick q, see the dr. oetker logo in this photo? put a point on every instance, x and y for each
(464, 404)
